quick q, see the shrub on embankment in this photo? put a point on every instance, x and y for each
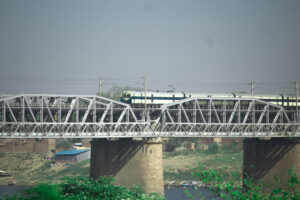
(84, 188)
(228, 186)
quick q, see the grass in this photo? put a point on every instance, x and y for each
(179, 175)
(79, 169)
(178, 165)
(29, 169)
(225, 158)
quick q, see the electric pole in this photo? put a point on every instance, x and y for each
(145, 90)
(296, 91)
(252, 87)
(99, 89)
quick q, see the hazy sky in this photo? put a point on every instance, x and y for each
(64, 46)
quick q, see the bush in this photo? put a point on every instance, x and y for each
(63, 144)
(213, 148)
(173, 143)
(227, 186)
(2, 155)
(233, 147)
(170, 147)
(44, 192)
(84, 188)
(46, 165)
(178, 175)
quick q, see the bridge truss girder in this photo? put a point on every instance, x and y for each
(71, 116)
(224, 117)
(28, 115)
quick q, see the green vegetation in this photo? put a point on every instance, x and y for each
(116, 91)
(172, 144)
(2, 155)
(79, 169)
(233, 147)
(84, 188)
(213, 148)
(48, 174)
(31, 169)
(178, 175)
(239, 92)
(228, 186)
(178, 165)
(63, 144)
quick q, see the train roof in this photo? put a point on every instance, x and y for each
(207, 93)
(154, 93)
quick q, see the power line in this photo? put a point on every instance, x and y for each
(106, 82)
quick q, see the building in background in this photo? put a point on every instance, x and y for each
(27, 145)
(73, 155)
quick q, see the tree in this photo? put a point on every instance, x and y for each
(116, 91)
(84, 188)
(227, 186)
(63, 144)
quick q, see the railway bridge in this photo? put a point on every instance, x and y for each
(126, 141)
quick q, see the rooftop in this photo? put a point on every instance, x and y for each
(71, 152)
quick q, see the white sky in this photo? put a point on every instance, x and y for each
(197, 46)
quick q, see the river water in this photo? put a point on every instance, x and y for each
(10, 190)
(172, 193)
(180, 193)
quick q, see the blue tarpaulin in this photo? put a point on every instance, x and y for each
(71, 152)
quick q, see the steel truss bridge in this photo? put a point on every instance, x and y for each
(84, 116)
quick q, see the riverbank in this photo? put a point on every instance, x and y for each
(178, 166)
(31, 169)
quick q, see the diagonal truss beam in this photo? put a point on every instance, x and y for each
(233, 112)
(248, 111)
(73, 103)
(30, 110)
(91, 103)
(11, 112)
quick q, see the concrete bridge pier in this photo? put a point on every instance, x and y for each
(264, 159)
(129, 161)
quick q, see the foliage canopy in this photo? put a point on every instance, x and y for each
(84, 188)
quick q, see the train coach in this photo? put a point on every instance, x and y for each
(137, 98)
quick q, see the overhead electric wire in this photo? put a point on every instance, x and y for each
(137, 82)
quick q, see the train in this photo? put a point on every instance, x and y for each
(160, 98)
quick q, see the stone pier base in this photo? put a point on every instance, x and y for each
(265, 159)
(129, 161)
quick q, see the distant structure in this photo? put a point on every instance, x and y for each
(27, 145)
(73, 155)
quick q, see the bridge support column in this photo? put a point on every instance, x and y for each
(129, 161)
(264, 159)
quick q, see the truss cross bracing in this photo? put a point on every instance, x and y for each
(81, 116)
(53, 116)
(224, 117)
